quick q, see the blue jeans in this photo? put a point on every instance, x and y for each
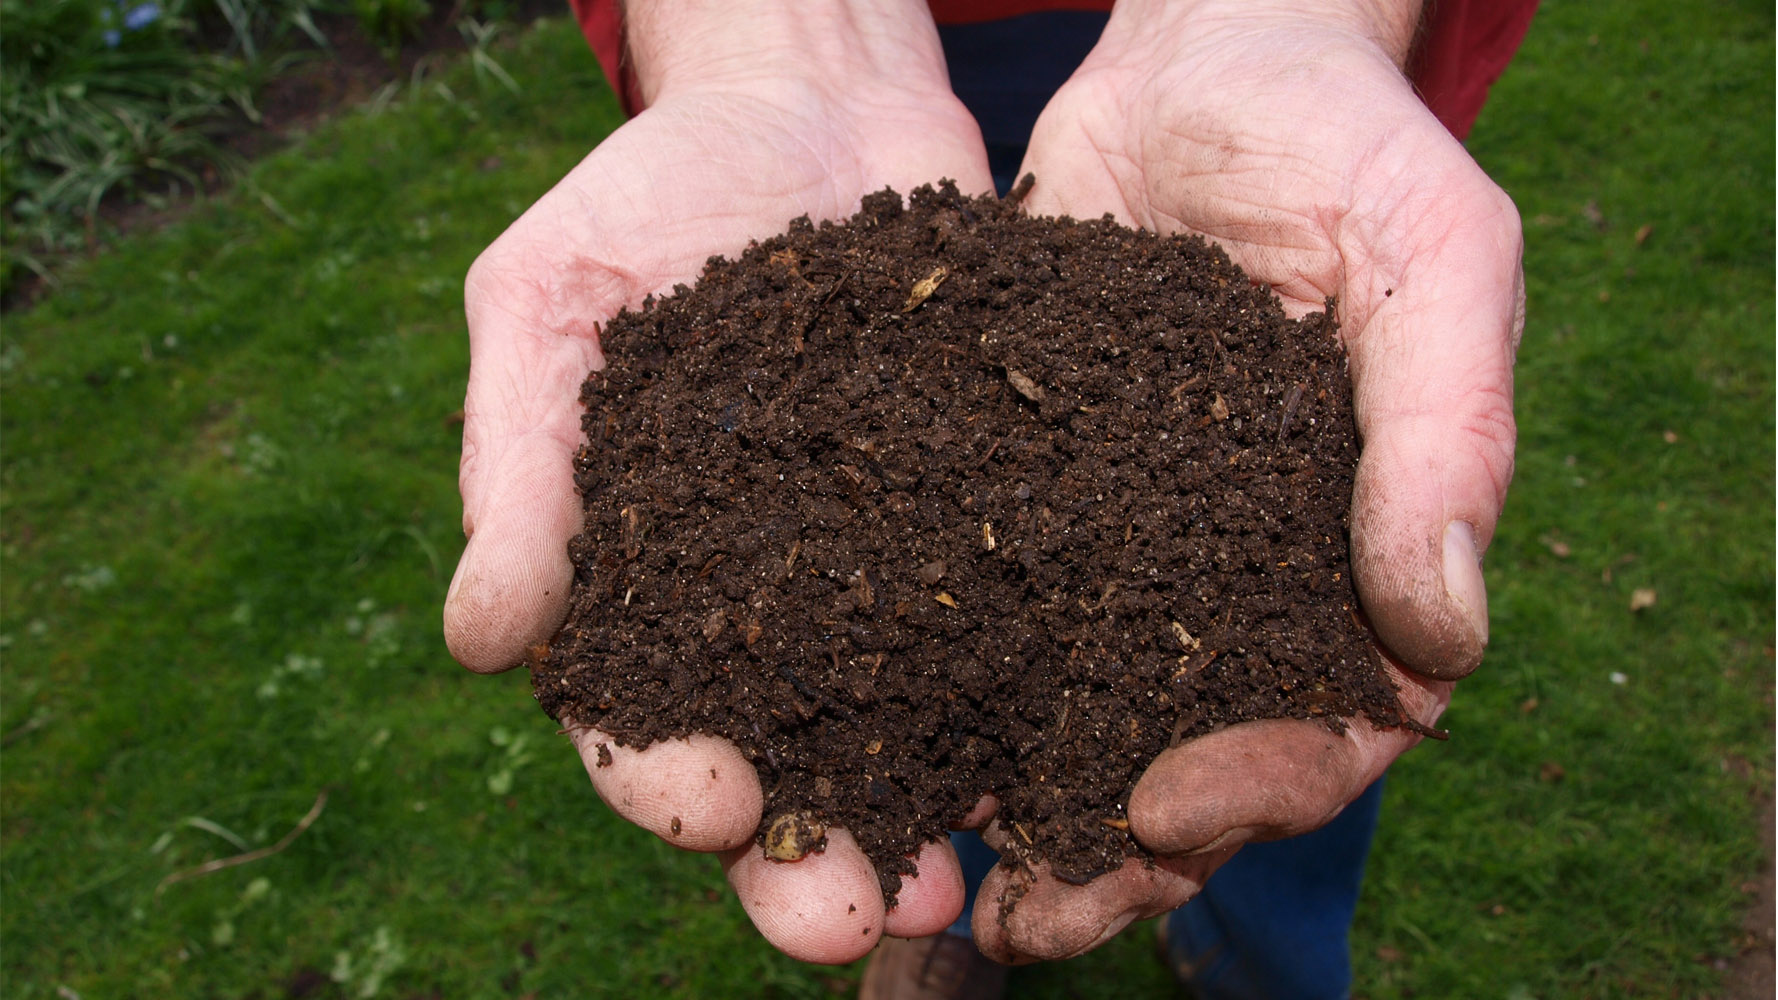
(1271, 924)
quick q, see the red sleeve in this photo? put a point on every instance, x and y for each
(601, 21)
(1463, 46)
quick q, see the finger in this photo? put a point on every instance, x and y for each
(1050, 919)
(979, 815)
(510, 590)
(1270, 779)
(824, 907)
(521, 427)
(1432, 356)
(697, 793)
(930, 901)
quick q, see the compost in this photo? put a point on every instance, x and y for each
(947, 500)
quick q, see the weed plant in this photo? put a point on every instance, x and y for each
(129, 99)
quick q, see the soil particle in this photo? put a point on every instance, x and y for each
(947, 500)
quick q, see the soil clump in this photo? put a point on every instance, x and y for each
(948, 500)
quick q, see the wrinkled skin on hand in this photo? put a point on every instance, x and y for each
(1306, 155)
(696, 174)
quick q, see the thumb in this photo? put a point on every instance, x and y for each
(521, 427)
(511, 587)
(1432, 384)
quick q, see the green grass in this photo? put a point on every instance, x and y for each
(229, 516)
(107, 103)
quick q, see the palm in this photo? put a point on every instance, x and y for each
(694, 176)
(642, 212)
(1306, 156)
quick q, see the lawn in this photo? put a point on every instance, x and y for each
(228, 516)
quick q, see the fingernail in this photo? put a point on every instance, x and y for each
(1463, 576)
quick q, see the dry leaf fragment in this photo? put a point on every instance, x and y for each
(1642, 597)
(1643, 231)
(1557, 547)
(1219, 408)
(1551, 771)
(932, 572)
(945, 599)
(1024, 385)
(924, 288)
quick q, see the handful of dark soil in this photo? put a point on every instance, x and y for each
(947, 500)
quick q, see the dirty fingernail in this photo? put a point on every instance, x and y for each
(1463, 576)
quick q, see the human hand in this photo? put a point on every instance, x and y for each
(1287, 134)
(756, 115)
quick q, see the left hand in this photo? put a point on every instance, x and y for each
(1292, 139)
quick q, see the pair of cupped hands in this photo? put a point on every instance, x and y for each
(1287, 134)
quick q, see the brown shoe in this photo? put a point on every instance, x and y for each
(940, 967)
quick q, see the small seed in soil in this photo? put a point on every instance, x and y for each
(924, 288)
(793, 836)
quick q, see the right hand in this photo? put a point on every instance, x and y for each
(754, 118)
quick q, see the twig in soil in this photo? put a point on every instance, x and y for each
(1290, 405)
(1419, 728)
(211, 867)
(991, 450)
(1021, 189)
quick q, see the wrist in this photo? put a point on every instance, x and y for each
(680, 46)
(1389, 25)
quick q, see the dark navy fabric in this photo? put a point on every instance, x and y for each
(1271, 924)
(1006, 71)
(1273, 921)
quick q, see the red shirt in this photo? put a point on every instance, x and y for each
(1464, 46)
